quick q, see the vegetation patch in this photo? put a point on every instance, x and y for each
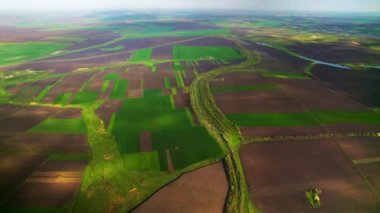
(62, 99)
(84, 97)
(171, 129)
(205, 52)
(54, 125)
(119, 90)
(43, 93)
(12, 53)
(144, 161)
(141, 55)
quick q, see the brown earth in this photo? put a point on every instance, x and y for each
(337, 53)
(203, 190)
(69, 113)
(255, 102)
(29, 194)
(44, 143)
(14, 169)
(70, 83)
(8, 109)
(19, 124)
(372, 172)
(105, 111)
(238, 79)
(292, 62)
(146, 141)
(164, 52)
(182, 100)
(278, 173)
(361, 85)
(314, 96)
(360, 147)
(281, 131)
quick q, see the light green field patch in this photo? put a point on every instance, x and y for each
(62, 98)
(190, 117)
(170, 128)
(119, 90)
(143, 161)
(375, 48)
(141, 55)
(111, 122)
(105, 85)
(54, 125)
(205, 53)
(167, 83)
(112, 76)
(43, 93)
(84, 97)
(13, 53)
(243, 88)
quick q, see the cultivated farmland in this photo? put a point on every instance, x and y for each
(188, 112)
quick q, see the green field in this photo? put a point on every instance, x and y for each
(119, 90)
(171, 129)
(205, 53)
(141, 55)
(144, 161)
(43, 93)
(243, 88)
(53, 125)
(12, 53)
(305, 118)
(62, 98)
(84, 97)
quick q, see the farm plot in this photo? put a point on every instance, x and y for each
(165, 52)
(274, 59)
(55, 125)
(141, 55)
(238, 79)
(59, 179)
(192, 192)
(44, 143)
(64, 89)
(299, 166)
(171, 130)
(360, 85)
(12, 53)
(255, 101)
(14, 169)
(306, 118)
(317, 97)
(205, 52)
(360, 149)
(26, 118)
(337, 52)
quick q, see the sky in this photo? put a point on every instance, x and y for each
(307, 5)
